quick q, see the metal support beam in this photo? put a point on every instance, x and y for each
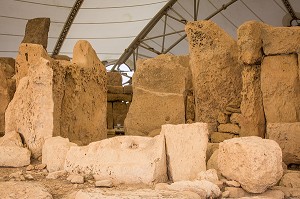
(291, 11)
(143, 33)
(67, 26)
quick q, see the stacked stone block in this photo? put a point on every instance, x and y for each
(228, 124)
(118, 101)
(271, 86)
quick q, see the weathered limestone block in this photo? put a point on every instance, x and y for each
(159, 87)
(253, 118)
(291, 180)
(31, 110)
(114, 79)
(216, 73)
(229, 128)
(217, 137)
(12, 152)
(29, 54)
(7, 87)
(114, 89)
(17, 190)
(139, 193)
(192, 156)
(254, 162)
(223, 118)
(280, 86)
(211, 148)
(120, 110)
(250, 42)
(109, 117)
(127, 89)
(235, 118)
(83, 106)
(54, 152)
(123, 159)
(36, 31)
(281, 40)
(112, 97)
(287, 135)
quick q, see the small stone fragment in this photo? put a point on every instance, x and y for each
(232, 183)
(104, 183)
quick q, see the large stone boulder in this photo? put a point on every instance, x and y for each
(125, 159)
(287, 135)
(17, 190)
(54, 152)
(7, 87)
(36, 31)
(12, 152)
(215, 69)
(159, 87)
(291, 179)
(31, 110)
(253, 116)
(191, 156)
(254, 162)
(280, 86)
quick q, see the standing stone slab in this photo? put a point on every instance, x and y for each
(254, 162)
(31, 110)
(37, 31)
(84, 100)
(287, 135)
(186, 146)
(123, 159)
(216, 73)
(250, 42)
(120, 110)
(281, 40)
(280, 86)
(159, 86)
(29, 54)
(252, 121)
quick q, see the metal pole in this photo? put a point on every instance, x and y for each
(143, 33)
(67, 26)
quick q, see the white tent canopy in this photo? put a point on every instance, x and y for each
(111, 25)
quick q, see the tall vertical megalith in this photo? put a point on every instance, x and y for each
(215, 69)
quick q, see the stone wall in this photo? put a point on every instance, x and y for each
(271, 87)
(61, 98)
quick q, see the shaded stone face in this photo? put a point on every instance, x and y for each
(159, 94)
(215, 70)
(37, 31)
